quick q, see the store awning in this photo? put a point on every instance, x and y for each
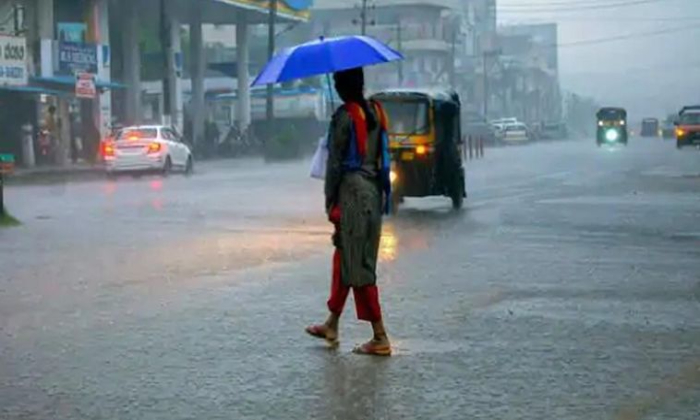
(70, 81)
(36, 90)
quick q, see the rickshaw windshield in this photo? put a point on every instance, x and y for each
(611, 115)
(407, 117)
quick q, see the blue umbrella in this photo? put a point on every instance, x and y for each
(323, 56)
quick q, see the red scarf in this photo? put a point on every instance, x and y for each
(359, 120)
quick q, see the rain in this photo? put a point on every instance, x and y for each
(189, 189)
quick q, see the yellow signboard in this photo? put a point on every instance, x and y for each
(297, 9)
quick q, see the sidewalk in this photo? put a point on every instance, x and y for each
(70, 172)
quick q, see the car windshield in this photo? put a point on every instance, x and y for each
(138, 134)
(690, 118)
(407, 117)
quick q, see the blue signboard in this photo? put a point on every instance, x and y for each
(75, 57)
(71, 32)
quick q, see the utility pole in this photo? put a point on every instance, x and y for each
(399, 36)
(363, 17)
(165, 43)
(453, 65)
(270, 100)
(486, 55)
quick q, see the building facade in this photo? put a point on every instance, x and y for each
(529, 88)
(427, 32)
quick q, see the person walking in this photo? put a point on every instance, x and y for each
(357, 192)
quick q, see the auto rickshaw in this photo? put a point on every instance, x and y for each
(612, 126)
(425, 143)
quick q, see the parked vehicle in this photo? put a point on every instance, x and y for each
(553, 131)
(476, 126)
(148, 148)
(515, 133)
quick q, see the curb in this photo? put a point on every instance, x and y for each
(58, 175)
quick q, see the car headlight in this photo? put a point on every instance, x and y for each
(612, 135)
(600, 123)
(622, 122)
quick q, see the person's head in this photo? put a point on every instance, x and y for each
(350, 84)
(52, 110)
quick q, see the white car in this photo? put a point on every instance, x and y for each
(515, 133)
(147, 148)
(501, 123)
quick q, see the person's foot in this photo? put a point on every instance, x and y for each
(323, 331)
(378, 346)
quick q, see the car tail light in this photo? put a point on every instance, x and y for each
(108, 149)
(154, 147)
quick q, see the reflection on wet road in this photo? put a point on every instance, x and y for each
(568, 288)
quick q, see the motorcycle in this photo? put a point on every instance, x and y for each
(45, 147)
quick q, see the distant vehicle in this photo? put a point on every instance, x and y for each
(554, 131)
(147, 148)
(476, 126)
(688, 127)
(668, 129)
(515, 133)
(650, 127)
(500, 123)
(612, 126)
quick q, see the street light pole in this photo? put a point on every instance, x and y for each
(272, 17)
(486, 88)
(165, 45)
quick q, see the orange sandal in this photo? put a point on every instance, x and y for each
(372, 348)
(321, 331)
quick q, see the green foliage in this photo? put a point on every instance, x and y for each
(283, 145)
(6, 220)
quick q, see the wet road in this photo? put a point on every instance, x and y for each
(569, 288)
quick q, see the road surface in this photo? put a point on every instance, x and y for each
(569, 288)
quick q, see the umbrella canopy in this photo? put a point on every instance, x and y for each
(326, 55)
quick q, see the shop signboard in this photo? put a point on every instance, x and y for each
(76, 57)
(13, 61)
(85, 86)
(72, 32)
(291, 8)
(7, 163)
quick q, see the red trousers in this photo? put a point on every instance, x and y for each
(366, 298)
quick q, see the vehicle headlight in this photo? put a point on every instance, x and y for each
(612, 135)
(622, 122)
(393, 177)
(600, 123)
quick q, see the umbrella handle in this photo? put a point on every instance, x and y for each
(330, 90)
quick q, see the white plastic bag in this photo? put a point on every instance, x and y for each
(320, 159)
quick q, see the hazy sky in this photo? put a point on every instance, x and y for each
(648, 74)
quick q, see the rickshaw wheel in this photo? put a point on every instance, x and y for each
(457, 201)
